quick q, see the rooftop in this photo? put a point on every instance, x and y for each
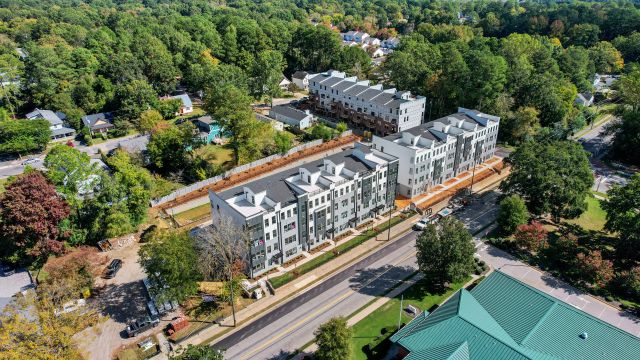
(52, 117)
(186, 100)
(98, 120)
(290, 112)
(503, 318)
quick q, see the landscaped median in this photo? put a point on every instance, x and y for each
(335, 252)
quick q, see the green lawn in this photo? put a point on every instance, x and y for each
(194, 214)
(3, 182)
(386, 316)
(329, 255)
(592, 219)
(216, 154)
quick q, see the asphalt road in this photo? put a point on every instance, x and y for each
(596, 142)
(291, 325)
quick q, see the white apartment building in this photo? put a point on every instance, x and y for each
(383, 111)
(440, 149)
(297, 210)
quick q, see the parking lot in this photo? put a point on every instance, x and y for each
(122, 299)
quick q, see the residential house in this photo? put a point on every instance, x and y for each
(603, 83)
(99, 123)
(56, 123)
(292, 117)
(298, 210)
(502, 318)
(357, 36)
(210, 131)
(383, 111)
(439, 150)
(390, 43)
(584, 99)
(377, 53)
(284, 83)
(186, 106)
(275, 124)
(301, 79)
(371, 41)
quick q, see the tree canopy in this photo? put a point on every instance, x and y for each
(333, 339)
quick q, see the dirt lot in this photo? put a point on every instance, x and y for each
(122, 299)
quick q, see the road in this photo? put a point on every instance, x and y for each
(290, 326)
(596, 142)
(131, 143)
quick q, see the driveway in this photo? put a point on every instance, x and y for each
(122, 299)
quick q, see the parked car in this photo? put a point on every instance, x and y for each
(7, 269)
(420, 225)
(112, 268)
(140, 326)
(30, 161)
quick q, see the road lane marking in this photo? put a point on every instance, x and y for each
(294, 327)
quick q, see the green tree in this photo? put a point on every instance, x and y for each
(283, 141)
(623, 217)
(445, 252)
(313, 48)
(513, 212)
(625, 132)
(166, 258)
(198, 352)
(552, 177)
(149, 119)
(134, 97)
(342, 127)
(20, 136)
(334, 340)
(267, 73)
(321, 131)
(607, 59)
(584, 34)
(354, 60)
(168, 108)
(67, 168)
(629, 88)
(170, 147)
(231, 109)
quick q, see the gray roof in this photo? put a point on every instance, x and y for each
(278, 190)
(383, 98)
(290, 112)
(48, 115)
(206, 119)
(356, 90)
(90, 120)
(342, 86)
(62, 131)
(370, 94)
(186, 100)
(300, 74)
(331, 80)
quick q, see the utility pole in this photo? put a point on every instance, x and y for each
(233, 304)
(389, 224)
(400, 313)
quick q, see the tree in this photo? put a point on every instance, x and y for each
(132, 98)
(167, 258)
(283, 141)
(445, 252)
(314, 48)
(629, 282)
(168, 108)
(584, 34)
(342, 127)
(68, 168)
(625, 132)
(222, 250)
(354, 60)
(198, 352)
(623, 217)
(552, 177)
(334, 340)
(629, 89)
(513, 212)
(170, 147)
(149, 119)
(593, 270)
(30, 214)
(606, 57)
(231, 109)
(21, 136)
(267, 74)
(321, 131)
(531, 237)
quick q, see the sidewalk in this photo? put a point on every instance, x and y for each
(306, 281)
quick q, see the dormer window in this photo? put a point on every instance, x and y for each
(309, 179)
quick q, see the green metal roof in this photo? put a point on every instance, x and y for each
(503, 318)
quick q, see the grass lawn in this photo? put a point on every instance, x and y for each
(3, 182)
(386, 316)
(329, 255)
(194, 214)
(592, 219)
(216, 154)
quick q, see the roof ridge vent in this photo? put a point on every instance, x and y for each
(584, 336)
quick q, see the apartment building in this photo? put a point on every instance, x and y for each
(298, 209)
(382, 111)
(439, 150)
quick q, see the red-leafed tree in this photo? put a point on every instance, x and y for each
(30, 215)
(531, 237)
(593, 269)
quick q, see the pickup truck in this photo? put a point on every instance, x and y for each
(140, 326)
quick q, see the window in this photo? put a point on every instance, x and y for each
(273, 219)
(274, 234)
(341, 192)
(317, 202)
(268, 249)
(291, 239)
(289, 213)
(291, 226)
(266, 222)
(291, 252)
(344, 215)
(282, 216)
(267, 236)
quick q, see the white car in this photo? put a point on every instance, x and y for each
(421, 224)
(30, 161)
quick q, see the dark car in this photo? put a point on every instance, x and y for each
(113, 268)
(140, 326)
(7, 269)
